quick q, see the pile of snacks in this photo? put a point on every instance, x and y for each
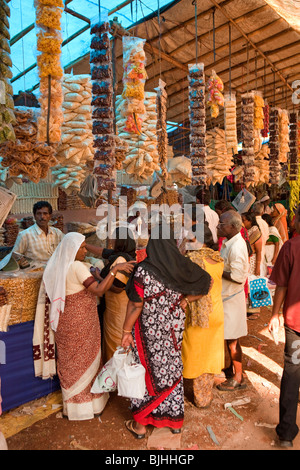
(215, 97)
(26, 156)
(7, 117)
(179, 171)
(258, 111)
(76, 148)
(219, 160)
(122, 148)
(262, 165)
(12, 229)
(134, 78)
(5, 309)
(247, 127)
(49, 40)
(161, 127)
(142, 158)
(103, 111)
(265, 130)
(230, 123)
(283, 135)
(274, 163)
(197, 123)
(293, 154)
(22, 291)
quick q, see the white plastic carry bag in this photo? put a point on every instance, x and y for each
(131, 381)
(106, 380)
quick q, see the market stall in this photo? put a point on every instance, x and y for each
(104, 128)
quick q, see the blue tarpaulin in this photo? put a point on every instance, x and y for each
(18, 383)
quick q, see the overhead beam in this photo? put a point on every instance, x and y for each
(252, 44)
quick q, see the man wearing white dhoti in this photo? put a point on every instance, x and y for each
(236, 266)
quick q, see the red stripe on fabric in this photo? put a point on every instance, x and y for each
(140, 349)
(164, 423)
(138, 416)
(139, 290)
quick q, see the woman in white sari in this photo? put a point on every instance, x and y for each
(73, 317)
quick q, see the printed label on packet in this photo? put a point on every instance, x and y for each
(2, 92)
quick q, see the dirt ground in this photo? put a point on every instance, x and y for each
(214, 428)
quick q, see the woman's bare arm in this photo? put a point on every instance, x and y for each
(105, 285)
(134, 309)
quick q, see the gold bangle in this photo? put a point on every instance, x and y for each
(113, 274)
(126, 331)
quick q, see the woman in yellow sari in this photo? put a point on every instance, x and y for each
(203, 337)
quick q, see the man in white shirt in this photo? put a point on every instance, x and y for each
(39, 241)
(236, 266)
(212, 218)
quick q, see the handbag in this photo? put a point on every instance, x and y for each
(259, 292)
(131, 380)
(106, 380)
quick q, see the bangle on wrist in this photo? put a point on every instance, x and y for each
(112, 273)
(126, 331)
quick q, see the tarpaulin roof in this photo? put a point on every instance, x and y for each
(250, 44)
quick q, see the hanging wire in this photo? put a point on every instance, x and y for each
(159, 41)
(99, 10)
(256, 70)
(196, 28)
(230, 59)
(247, 67)
(265, 70)
(214, 33)
(274, 87)
(23, 53)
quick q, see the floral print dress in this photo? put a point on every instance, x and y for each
(158, 336)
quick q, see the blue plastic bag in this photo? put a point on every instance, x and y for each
(259, 292)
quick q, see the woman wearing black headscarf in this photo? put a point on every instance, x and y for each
(159, 289)
(116, 299)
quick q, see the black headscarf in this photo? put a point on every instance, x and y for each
(174, 270)
(125, 246)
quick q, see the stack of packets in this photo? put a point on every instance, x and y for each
(7, 117)
(274, 163)
(26, 155)
(102, 106)
(230, 123)
(76, 148)
(219, 160)
(49, 40)
(142, 158)
(197, 123)
(215, 97)
(293, 143)
(248, 137)
(161, 127)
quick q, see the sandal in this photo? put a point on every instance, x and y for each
(231, 385)
(130, 426)
(175, 431)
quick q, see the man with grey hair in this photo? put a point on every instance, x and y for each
(236, 267)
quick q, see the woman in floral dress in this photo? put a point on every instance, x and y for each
(158, 292)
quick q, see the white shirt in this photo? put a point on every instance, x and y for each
(235, 255)
(36, 245)
(212, 220)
